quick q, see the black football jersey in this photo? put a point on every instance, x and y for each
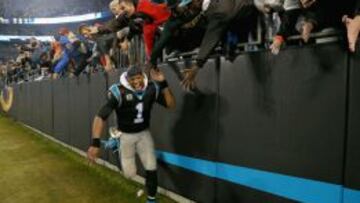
(133, 110)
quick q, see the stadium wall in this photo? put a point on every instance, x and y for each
(261, 129)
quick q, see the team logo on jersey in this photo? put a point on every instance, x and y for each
(129, 97)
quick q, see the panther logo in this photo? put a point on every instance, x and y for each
(6, 98)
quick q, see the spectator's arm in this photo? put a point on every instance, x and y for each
(288, 22)
(315, 14)
(149, 31)
(114, 25)
(170, 27)
(214, 32)
(103, 30)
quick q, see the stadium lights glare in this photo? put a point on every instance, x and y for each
(8, 38)
(57, 20)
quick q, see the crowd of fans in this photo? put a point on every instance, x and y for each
(178, 26)
(49, 8)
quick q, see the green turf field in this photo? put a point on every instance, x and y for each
(33, 169)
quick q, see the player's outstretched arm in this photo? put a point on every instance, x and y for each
(98, 126)
(169, 98)
(94, 149)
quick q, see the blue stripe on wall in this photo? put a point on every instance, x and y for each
(351, 196)
(295, 188)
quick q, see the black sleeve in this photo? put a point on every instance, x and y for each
(107, 28)
(357, 8)
(170, 28)
(114, 25)
(215, 30)
(315, 15)
(105, 43)
(135, 29)
(110, 105)
(146, 18)
(288, 22)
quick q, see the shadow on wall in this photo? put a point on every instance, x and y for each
(263, 81)
(190, 131)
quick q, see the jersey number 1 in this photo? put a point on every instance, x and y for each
(140, 109)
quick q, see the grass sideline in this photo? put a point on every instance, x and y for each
(34, 169)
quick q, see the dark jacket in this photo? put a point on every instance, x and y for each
(220, 15)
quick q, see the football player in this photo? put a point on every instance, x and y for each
(132, 99)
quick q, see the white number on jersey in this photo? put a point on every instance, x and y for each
(140, 109)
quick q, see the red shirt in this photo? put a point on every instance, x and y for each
(159, 14)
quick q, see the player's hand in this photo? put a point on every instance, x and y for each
(188, 82)
(157, 75)
(276, 46)
(353, 29)
(93, 153)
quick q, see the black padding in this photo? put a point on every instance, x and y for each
(21, 102)
(352, 175)
(27, 104)
(285, 113)
(46, 103)
(61, 110)
(186, 183)
(190, 130)
(79, 115)
(36, 104)
(97, 97)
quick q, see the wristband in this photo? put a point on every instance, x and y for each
(279, 38)
(163, 84)
(95, 142)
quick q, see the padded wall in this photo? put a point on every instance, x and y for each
(283, 114)
(79, 115)
(61, 109)
(190, 130)
(46, 103)
(352, 176)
